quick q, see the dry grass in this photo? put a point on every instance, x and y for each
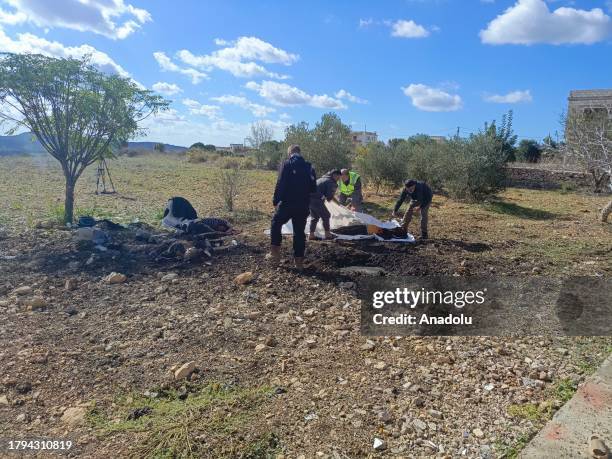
(552, 229)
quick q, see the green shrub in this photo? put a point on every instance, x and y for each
(427, 163)
(529, 150)
(474, 168)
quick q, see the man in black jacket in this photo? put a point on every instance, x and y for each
(420, 198)
(296, 181)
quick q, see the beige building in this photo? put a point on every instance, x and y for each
(363, 137)
(590, 100)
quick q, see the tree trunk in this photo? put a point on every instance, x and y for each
(606, 211)
(69, 201)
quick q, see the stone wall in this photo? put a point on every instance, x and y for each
(526, 177)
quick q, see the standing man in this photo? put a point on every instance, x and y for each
(296, 181)
(326, 189)
(350, 188)
(420, 198)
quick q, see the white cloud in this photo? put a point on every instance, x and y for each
(408, 29)
(28, 43)
(366, 22)
(168, 89)
(240, 58)
(432, 99)
(284, 95)
(170, 127)
(112, 18)
(513, 97)
(165, 63)
(342, 94)
(196, 108)
(257, 110)
(530, 21)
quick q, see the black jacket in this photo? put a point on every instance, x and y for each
(326, 188)
(422, 196)
(296, 181)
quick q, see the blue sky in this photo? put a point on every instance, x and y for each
(397, 67)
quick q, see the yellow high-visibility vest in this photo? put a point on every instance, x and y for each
(348, 189)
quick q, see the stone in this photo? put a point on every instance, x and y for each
(260, 347)
(70, 285)
(36, 303)
(379, 444)
(435, 414)
(380, 365)
(478, 433)
(161, 289)
(369, 346)
(270, 341)
(385, 416)
(244, 278)
(22, 291)
(4, 401)
(169, 277)
(21, 417)
(419, 425)
(23, 388)
(185, 370)
(74, 416)
(347, 285)
(115, 278)
(363, 270)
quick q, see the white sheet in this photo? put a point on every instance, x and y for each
(341, 217)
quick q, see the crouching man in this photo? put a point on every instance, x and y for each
(296, 182)
(326, 189)
(420, 199)
(350, 190)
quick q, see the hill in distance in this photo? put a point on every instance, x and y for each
(27, 143)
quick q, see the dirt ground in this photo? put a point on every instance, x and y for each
(280, 366)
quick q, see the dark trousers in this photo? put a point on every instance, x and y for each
(318, 210)
(424, 218)
(297, 215)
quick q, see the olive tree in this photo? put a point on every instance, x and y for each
(74, 110)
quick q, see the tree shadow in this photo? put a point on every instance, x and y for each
(475, 247)
(515, 210)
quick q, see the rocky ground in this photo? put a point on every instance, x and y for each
(175, 357)
(73, 342)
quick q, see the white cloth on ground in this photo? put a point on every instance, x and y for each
(341, 217)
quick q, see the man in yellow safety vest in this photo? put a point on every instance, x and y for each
(349, 187)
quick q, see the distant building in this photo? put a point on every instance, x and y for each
(237, 147)
(590, 101)
(363, 137)
(590, 104)
(438, 138)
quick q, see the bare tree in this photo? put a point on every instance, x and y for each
(588, 141)
(228, 182)
(261, 132)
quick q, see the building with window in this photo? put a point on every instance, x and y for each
(363, 137)
(590, 101)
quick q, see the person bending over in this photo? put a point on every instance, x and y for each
(420, 198)
(326, 189)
